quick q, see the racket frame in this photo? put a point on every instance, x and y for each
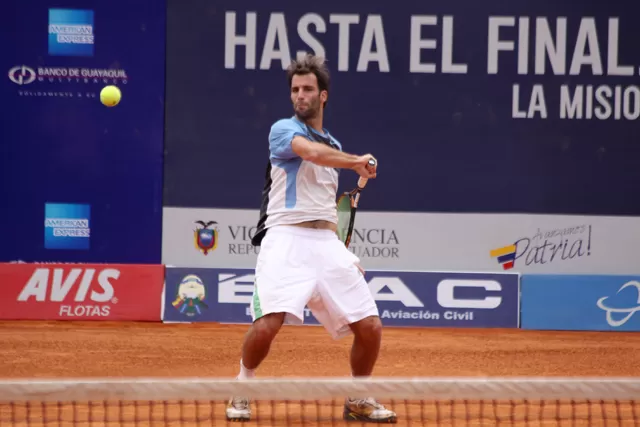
(354, 199)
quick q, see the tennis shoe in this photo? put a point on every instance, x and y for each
(238, 409)
(368, 410)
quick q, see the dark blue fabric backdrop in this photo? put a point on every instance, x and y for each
(61, 145)
(446, 142)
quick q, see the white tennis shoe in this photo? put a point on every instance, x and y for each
(238, 409)
(368, 410)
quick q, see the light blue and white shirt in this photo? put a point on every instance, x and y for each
(296, 190)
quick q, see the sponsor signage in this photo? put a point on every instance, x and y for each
(81, 292)
(67, 226)
(515, 106)
(71, 32)
(581, 302)
(396, 241)
(53, 75)
(209, 237)
(419, 299)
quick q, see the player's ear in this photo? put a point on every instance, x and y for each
(324, 95)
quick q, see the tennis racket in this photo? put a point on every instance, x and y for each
(347, 207)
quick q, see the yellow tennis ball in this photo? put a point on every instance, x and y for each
(110, 96)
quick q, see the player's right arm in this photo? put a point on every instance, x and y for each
(287, 141)
(322, 154)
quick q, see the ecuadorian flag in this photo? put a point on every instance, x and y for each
(506, 256)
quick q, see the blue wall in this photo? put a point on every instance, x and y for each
(462, 138)
(61, 145)
(448, 140)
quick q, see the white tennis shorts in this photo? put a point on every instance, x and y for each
(300, 267)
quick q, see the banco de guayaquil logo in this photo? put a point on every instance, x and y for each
(71, 32)
(190, 296)
(22, 75)
(67, 226)
(205, 237)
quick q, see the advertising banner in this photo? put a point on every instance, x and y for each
(580, 302)
(470, 107)
(425, 242)
(417, 299)
(82, 131)
(81, 292)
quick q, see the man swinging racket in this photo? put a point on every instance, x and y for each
(302, 262)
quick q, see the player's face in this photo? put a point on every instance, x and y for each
(306, 96)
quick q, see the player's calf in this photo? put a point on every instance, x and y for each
(366, 345)
(255, 348)
(258, 340)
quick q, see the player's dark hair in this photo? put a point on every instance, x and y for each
(310, 64)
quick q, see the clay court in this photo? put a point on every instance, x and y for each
(101, 349)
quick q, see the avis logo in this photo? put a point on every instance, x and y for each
(630, 310)
(55, 288)
(205, 238)
(506, 256)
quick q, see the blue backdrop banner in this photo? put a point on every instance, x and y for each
(421, 299)
(580, 302)
(82, 182)
(489, 106)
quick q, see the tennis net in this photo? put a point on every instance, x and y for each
(319, 401)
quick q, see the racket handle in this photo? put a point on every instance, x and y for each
(363, 181)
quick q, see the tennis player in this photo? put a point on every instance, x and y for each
(302, 261)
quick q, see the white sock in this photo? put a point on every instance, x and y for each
(245, 374)
(361, 377)
(351, 399)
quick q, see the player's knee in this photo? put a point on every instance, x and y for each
(375, 327)
(266, 328)
(369, 329)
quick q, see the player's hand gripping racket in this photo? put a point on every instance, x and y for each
(347, 207)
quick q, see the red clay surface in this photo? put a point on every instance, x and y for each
(100, 349)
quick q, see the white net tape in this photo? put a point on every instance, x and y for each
(438, 388)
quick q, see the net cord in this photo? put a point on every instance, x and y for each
(435, 388)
